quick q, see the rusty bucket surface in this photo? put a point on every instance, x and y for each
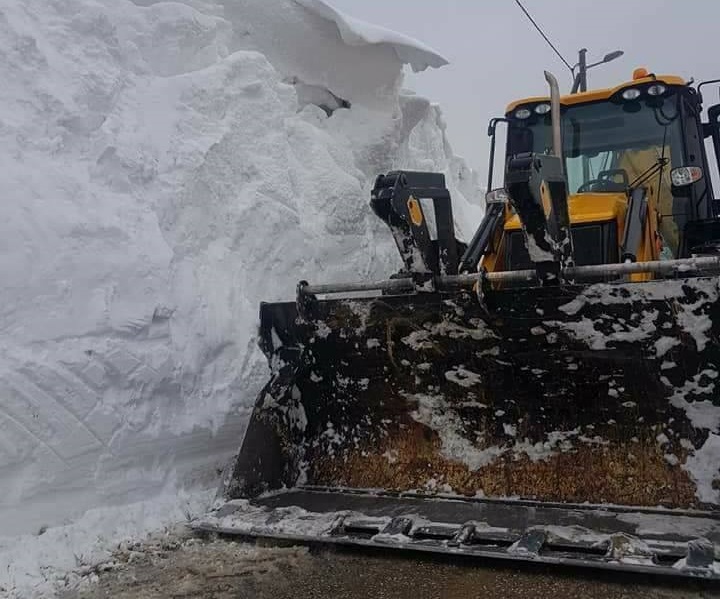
(576, 400)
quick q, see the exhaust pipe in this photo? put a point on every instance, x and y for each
(555, 116)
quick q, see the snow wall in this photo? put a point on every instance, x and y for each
(166, 166)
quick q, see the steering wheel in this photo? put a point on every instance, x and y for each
(604, 182)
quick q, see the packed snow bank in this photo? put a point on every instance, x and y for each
(65, 557)
(162, 177)
(304, 40)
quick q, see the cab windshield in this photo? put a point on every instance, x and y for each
(611, 145)
(627, 138)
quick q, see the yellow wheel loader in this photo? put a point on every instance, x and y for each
(547, 392)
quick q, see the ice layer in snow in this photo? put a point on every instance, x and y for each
(166, 166)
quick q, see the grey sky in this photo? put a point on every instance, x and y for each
(497, 56)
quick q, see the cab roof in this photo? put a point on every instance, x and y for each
(599, 94)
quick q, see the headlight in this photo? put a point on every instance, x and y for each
(685, 175)
(497, 196)
(542, 108)
(522, 113)
(656, 90)
(632, 93)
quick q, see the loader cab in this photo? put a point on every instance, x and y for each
(646, 133)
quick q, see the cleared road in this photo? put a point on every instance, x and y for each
(225, 569)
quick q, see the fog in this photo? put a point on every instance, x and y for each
(496, 55)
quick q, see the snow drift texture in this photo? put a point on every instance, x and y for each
(165, 166)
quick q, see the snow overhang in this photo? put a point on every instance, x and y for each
(355, 32)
